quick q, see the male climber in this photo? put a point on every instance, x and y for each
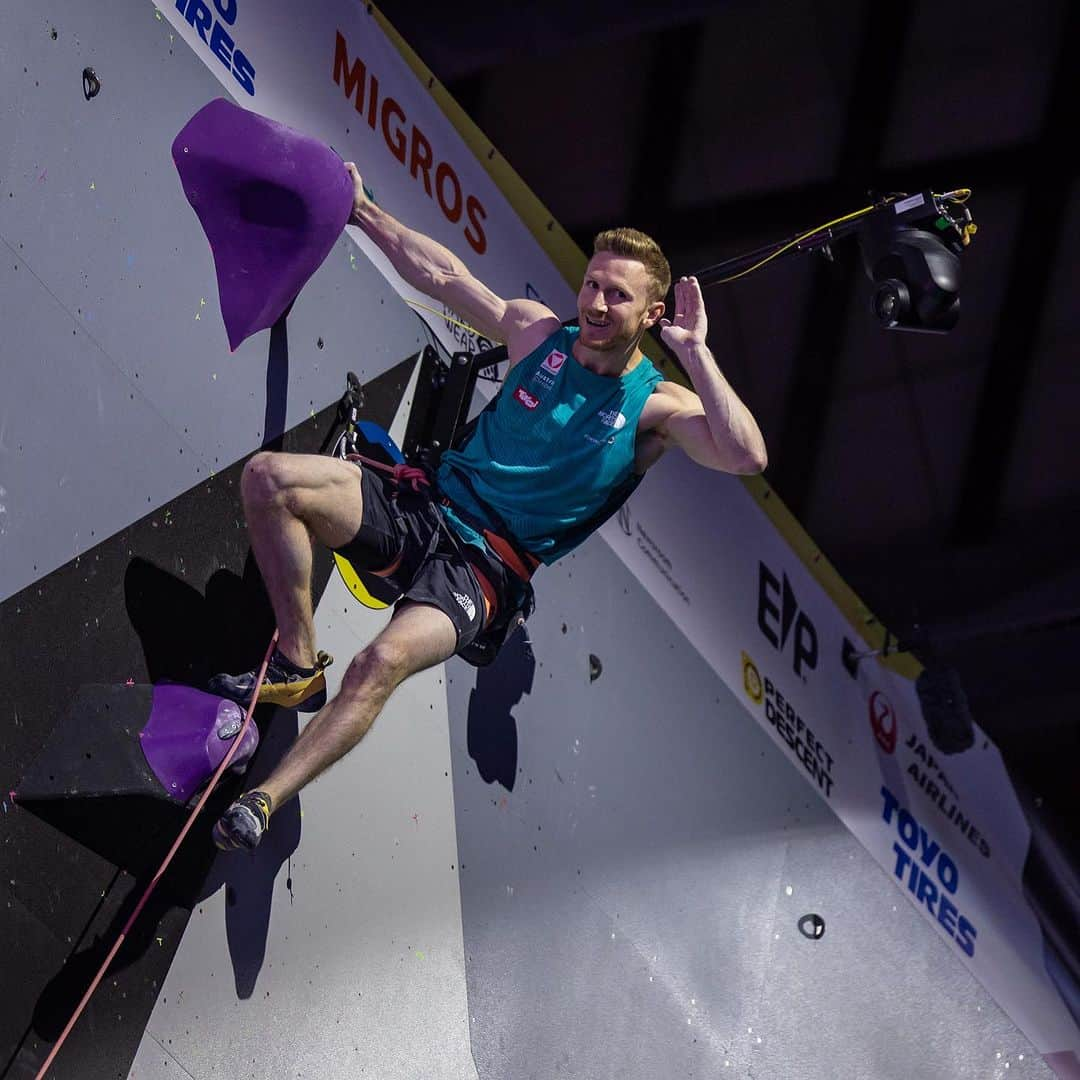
(581, 414)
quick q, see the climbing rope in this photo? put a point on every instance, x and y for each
(164, 866)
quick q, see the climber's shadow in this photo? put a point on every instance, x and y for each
(227, 630)
(492, 740)
(186, 637)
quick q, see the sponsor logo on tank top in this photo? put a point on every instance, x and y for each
(610, 418)
(544, 376)
(526, 399)
(554, 361)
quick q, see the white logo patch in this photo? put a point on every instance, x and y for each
(466, 604)
(553, 361)
(613, 419)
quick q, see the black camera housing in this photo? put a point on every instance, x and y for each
(911, 251)
(911, 247)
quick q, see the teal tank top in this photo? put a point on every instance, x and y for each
(549, 451)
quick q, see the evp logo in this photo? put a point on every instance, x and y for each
(526, 398)
(778, 622)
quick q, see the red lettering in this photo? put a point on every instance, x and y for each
(394, 139)
(477, 239)
(373, 102)
(414, 150)
(420, 158)
(354, 76)
(444, 171)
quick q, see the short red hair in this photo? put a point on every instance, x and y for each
(634, 244)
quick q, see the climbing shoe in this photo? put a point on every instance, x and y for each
(243, 824)
(285, 684)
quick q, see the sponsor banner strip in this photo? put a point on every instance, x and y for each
(947, 827)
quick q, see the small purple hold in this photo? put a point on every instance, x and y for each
(187, 736)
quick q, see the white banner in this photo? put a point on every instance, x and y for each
(333, 74)
(950, 831)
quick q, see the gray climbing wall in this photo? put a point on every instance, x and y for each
(634, 858)
(119, 388)
(521, 874)
(360, 970)
(631, 908)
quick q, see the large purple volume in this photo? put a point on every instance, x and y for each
(271, 201)
(188, 734)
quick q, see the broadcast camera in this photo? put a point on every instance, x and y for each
(911, 247)
(911, 251)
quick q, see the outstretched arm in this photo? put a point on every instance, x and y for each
(712, 425)
(433, 269)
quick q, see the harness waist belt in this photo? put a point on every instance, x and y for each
(512, 556)
(523, 563)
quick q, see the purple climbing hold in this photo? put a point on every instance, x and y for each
(272, 203)
(187, 736)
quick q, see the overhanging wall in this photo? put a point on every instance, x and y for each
(112, 326)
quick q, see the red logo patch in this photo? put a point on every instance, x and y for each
(526, 398)
(553, 361)
(883, 721)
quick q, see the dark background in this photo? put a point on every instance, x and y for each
(938, 473)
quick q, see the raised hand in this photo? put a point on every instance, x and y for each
(361, 196)
(690, 324)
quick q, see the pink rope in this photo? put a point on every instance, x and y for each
(412, 475)
(165, 865)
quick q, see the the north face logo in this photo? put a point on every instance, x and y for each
(553, 361)
(612, 418)
(526, 398)
(466, 605)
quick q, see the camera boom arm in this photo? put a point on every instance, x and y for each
(911, 246)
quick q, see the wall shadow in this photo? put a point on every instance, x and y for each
(491, 738)
(277, 385)
(186, 637)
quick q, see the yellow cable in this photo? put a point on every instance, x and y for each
(442, 315)
(792, 243)
(960, 195)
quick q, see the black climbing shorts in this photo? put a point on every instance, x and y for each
(404, 542)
